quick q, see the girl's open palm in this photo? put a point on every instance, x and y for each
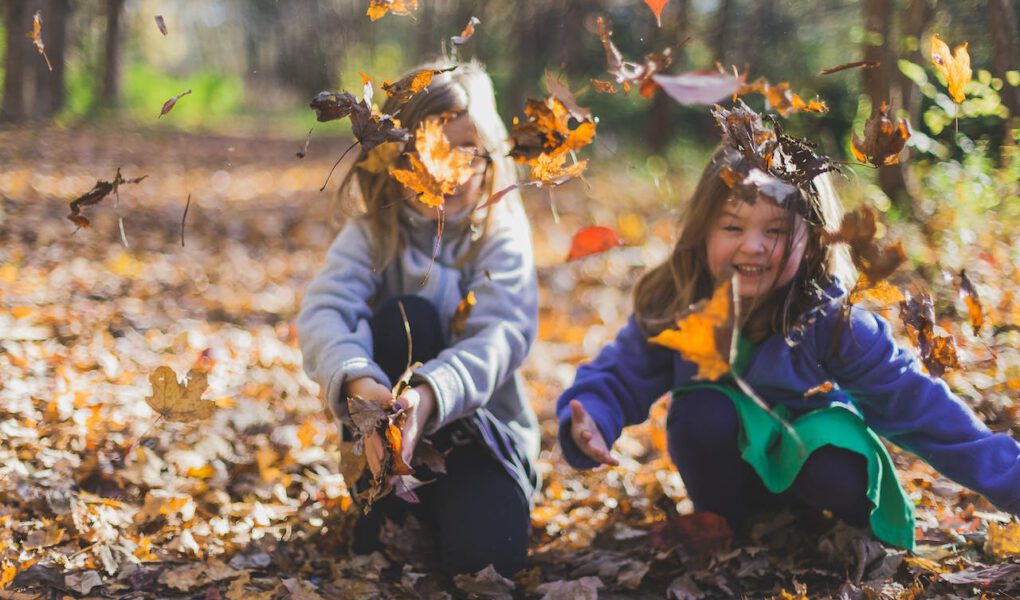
(587, 436)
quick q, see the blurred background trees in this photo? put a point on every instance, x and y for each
(254, 64)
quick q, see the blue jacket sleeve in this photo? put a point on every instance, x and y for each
(617, 389)
(919, 413)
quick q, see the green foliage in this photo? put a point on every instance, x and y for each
(214, 96)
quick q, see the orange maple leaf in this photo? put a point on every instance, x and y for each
(36, 36)
(657, 6)
(781, 98)
(704, 336)
(547, 131)
(436, 168)
(412, 83)
(955, 67)
(377, 9)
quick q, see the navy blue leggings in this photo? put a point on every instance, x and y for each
(479, 514)
(702, 432)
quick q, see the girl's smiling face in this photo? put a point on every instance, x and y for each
(749, 240)
(461, 133)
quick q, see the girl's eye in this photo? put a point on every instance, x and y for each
(731, 228)
(777, 231)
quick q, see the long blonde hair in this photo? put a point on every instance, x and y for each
(667, 290)
(376, 198)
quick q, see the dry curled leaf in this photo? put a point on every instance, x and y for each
(629, 73)
(561, 92)
(172, 102)
(704, 335)
(36, 36)
(101, 190)
(604, 87)
(546, 130)
(161, 24)
(465, 35)
(370, 127)
(822, 388)
(938, 352)
(592, 240)
(883, 139)
(377, 9)
(437, 168)
(954, 67)
(176, 402)
(412, 83)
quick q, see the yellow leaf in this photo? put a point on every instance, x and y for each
(377, 9)
(955, 68)
(1003, 540)
(437, 169)
(176, 402)
(703, 336)
(549, 169)
(460, 316)
(382, 157)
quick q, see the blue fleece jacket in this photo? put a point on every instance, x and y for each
(871, 372)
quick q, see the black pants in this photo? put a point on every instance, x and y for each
(478, 512)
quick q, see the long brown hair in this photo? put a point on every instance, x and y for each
(669, 289)
(376, 198)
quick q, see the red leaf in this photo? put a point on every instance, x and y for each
(593, 240)
(657, 6)
(172, 102)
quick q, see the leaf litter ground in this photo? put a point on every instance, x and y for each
(101, 498)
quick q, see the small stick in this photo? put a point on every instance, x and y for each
(186, 206)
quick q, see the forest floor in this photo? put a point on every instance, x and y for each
(100, 498)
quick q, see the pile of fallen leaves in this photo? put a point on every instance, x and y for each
(102, 495)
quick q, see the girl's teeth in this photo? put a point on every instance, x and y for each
(751, 270)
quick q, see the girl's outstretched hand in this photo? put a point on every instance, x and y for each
(370, 389)
(587, 436)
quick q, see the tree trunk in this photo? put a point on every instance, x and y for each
(917, 18)
(1002, 22)
(877, 83)
(721, 39)
(13, 107)
(49, 85)
(110, 93)
(661, 115)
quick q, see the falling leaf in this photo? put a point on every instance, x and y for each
(700, 87)
(463, 312)
(955, 67)
(883, 140)
(549, 170)
(546, 130)
(561, 92)
(172, 102)
(592, 240)
(304, 149)
(822, 388)
(412, 83)
(176, 402)
(465, 35)
(629, 73)
(36, 36)
(970, 296)
(882, 293)
(101, 190)
(866, 64)
(1003, 541)
(604, 87)
(657, 6)
(781, 98)
(377, 9)
(758, 184)
(858, 230)
(704, 335)
(938, 352)
(161, 24)
(370, 128)
(437, 168)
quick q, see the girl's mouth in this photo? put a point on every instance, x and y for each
(750, 269)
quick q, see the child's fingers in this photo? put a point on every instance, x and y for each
(577, 412)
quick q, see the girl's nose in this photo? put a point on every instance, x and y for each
(753, 244)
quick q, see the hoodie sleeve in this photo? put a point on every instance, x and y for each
(333, 323)
(500, 329)
(617, 389)
(919, 413)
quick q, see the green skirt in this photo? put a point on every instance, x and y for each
(777, 456)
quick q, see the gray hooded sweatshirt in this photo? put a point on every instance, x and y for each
(476, 375)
